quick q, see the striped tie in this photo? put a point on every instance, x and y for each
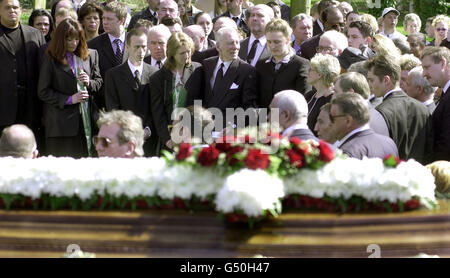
(118, 55)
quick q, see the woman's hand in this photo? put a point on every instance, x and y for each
(84, 78)
(79, 97)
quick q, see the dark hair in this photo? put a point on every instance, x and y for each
(383, 66)
(323, 5)
(353, 105)
(403, 45)
(134, 32)
(143, 23)
(89, 7)
(364, 28)
(273, 4)
(197, 16)
(420, 36)
(41, 12)
(327, 11)
(57, 47)
(168, 21)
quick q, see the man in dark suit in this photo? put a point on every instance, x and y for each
(332, 20)
(436, 68)
(407, 119)
(158, 36)
(225, 81)
(236, 13)
(149, 13)
(290, 110)
(283, 70)
(349, 114)
(111, 44)
(19, 54)
(318, 26)
(254, 48)
(124, 85)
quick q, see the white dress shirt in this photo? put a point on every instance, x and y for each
(446, 87)
(226, 65)
(133, 68)
(122, 42)
(261, 45)
(154, 62)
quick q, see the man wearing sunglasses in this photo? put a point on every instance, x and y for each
(120, 135)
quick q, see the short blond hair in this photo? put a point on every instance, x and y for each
(326, 65)
(279, 25)
(441, 172)
(409, 61)
(412, 17)
(368, 18)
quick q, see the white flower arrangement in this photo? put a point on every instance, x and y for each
(251, 191)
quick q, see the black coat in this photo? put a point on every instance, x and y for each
(33, 40)
(309, 46)
(144, 14)
(243, 51)
(290, 76)
(370, 144)
(56, 84)
(242, 24)
(441, 128)
(160, 89)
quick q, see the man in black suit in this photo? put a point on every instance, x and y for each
(254, 48)
(284, 70)
(19, 54)
(349, 114)
(407, 119)
(332, 20)
(289, 109)
(236, 12)
(149, 13)
(436, 68)
(158, 36)
(318, 26)
(124, 84)
(111, 44)
(225, 81)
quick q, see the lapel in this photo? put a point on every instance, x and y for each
(107, 48)
(244, 49)
(187, 73)
(209, 66)
(357, 134)
(127, 75)
(228, 79)
(67, 69)
(284, 66)
(168, 84)
(4, 42)
(147, 71)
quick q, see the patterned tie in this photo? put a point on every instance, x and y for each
(219, 78)
(252, 52)
(118, 55)
(137, 78)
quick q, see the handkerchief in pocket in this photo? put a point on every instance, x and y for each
(234, 86)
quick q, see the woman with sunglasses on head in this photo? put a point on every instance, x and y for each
(69, 77)
(42, 20)
(441, 24)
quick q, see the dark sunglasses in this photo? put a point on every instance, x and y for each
(104, 141)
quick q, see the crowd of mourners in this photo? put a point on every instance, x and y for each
(91, 79)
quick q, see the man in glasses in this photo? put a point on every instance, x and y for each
(350, 115)
(333, 43)
(120, 135)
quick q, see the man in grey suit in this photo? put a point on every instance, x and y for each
(292, 110)
(419, 88)
(407, 119)
(254, 48)
(125, 84)
(349, 114)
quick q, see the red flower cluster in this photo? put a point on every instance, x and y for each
(208, 156)
(184, 151)
(326, 153)
(256, 159)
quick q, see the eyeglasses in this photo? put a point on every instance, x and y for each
(104, 141)
(441, 29)
(337, 116)
(324, 48)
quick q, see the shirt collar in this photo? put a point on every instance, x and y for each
(133, 68)
(428, 102)
(359, 129)
(286, 58)
(121, 38)
(154, 61)
(293, 127)
(390, 92)
(153, 13)
(225, 64)
(262, 40)
(447, 85)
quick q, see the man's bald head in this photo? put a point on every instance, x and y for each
(197, 33)
(223, 21)
(18, 141)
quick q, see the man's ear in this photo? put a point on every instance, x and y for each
(131, 146)
(368, 40)
(35, 154)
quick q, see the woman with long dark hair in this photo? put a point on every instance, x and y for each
(68, 78)
(42, 20)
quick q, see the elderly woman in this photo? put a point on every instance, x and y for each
(68, 78)
(166, 86)
(412, 23)
(323, 72)
(89, 16)
(42, 20)
(441, 24)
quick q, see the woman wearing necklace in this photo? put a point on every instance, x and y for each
(323, 72)
(68, 78)
(167, 86)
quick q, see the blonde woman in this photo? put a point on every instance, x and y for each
(368, 18)
(412, 23)
(323, 72)
(383, 45)
(441, 24)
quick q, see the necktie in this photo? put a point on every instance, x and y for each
(252, 52)
(219, 77)
(158, 64)
(118, 55)
(137, 78)
(235, 18)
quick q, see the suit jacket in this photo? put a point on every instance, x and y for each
(291, 76)
(370, 144)
(144, 14)
(409, 124)
(239, 75)
(285, 11)
(208, 53)
(160, 90)
(243, 51)
(242, 24)
(431, 107)
(309, 47)
(33, 40)
(441, 128)
(316, 28)
(56, 84)
(304, 134)
(106, 61)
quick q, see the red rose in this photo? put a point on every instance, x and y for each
(326, 153)
(208, 156)
(184, 151)
(224, 143)
(296, 158)
(231, 160)
(295, 141)
(257, 160)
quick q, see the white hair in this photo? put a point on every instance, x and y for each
(418, 80)
(162, 29)
(338, 38)
(224, 30)
(293, 102)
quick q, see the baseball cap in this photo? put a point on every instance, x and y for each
(390, 9)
